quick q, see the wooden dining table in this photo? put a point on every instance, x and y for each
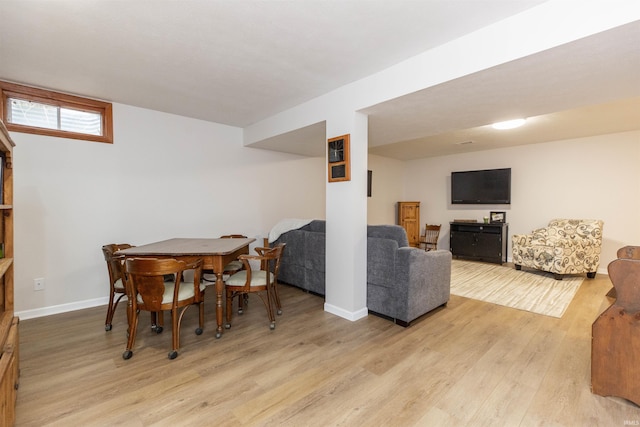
(215, 254)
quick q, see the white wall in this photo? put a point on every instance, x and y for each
(386, 189)
(159, 180)
(165, 176)
(596, 177)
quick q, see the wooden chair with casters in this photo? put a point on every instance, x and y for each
(232, 267)
(115, 265)
(150, 292)
(615, 344)
(430, 237)
(229, 269)
(260, 281)
(117, 289)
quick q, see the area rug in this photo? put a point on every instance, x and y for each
(530, 290)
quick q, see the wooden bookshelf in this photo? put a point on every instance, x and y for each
(9, 370)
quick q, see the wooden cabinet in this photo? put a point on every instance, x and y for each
(409, 219)
(339, 158)
(482, 242)
(8, 323)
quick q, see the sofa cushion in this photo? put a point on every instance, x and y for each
(295, 241)
(316, 226)
(314, 251)
(393, 232)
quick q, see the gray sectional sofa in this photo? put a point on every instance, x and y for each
(403, 283)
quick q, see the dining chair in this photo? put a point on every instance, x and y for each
(231, 267)
(117, 290)
(115, 265)
(261, 281)
(150, 292)
(430, 237)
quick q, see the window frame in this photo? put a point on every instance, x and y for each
(59, 100)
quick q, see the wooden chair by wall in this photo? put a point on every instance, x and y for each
(115, 265)
(150, 292)
(430, 237)
(615, 348)
(117, 289)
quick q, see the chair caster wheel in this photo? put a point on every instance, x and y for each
(127, 354)
(240, 311)
(173, 354)
(198, 331)
(227, 326)
(218, 334)
(159, 329)
(272, 326)
(107, 327)
(279, 312)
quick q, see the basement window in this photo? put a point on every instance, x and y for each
(43, 112)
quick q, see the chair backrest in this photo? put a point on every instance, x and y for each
(629, 252)
(431, 233)
(115, 264)
(624, 274)
(273, 257)
(145, 278)
(578, 229)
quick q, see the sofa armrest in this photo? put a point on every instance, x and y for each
(521, 239)
(423, 280)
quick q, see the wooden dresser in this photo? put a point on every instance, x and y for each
(8, 323)
(409, 219)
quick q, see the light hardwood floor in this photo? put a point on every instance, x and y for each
(471, 363)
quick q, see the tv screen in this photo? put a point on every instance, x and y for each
(486, 187)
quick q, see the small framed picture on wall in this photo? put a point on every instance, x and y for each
(498, 217)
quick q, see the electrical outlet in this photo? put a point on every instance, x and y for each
(38, 284)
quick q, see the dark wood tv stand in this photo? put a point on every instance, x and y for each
(479, 241)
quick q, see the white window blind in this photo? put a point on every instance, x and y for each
(30, 113)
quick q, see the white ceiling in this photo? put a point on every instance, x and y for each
(237, 62)
(584, 88)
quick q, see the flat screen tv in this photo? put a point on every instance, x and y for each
(481, 187)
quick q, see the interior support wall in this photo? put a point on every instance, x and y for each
(346, 214)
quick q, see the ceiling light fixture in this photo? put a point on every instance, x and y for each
(509, 124)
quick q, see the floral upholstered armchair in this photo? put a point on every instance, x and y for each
(566, 246)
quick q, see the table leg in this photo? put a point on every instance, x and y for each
(219, 302)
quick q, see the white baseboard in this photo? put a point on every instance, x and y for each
(80, 305)
(62, 308)
(349, 315)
